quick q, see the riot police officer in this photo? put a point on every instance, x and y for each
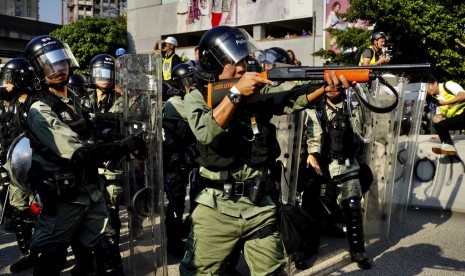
(332, 148)
(78, 84)
(237, 145)
(102, 99)
(64, 167)
(274, 56)
(178, 157)
(17, 81)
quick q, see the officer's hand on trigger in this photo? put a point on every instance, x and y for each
(251, 83)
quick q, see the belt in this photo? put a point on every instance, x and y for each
(230, 188)
(182, 13)
(345, 178)
(340, 157)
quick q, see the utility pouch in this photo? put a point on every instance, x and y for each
(254, 194)
(42, 184)
(65, 185)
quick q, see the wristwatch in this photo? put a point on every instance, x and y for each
(234, 95)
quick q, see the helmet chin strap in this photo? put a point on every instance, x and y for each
(107, 89)
(58, 86)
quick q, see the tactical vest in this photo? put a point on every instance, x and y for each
(338, 138)
(65, 113)
(167, 64)
(239, 145)
(450, 111)
(6, 117)
(103, 105)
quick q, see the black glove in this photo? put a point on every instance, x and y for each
(136, 145)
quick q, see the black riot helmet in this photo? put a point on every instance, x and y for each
(16, 76)
(168, 91)
(78, 83)
(377, 35)
(182, 75)
(17, 72)
(102, 71)
(224, 44)
(282, 56)
(274, 55)
(48, 56)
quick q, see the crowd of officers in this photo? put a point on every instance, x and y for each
(225, 150)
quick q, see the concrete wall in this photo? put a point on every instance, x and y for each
(147, 22)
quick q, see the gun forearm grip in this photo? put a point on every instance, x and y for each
(358, 75)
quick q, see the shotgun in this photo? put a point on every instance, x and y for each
(360, 74)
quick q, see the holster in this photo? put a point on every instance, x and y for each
(51, 186)
(44, 187)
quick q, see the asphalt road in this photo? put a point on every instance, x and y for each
(429, 243)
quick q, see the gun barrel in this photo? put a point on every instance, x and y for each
(318, 72)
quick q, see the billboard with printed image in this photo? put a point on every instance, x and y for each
(335, 19)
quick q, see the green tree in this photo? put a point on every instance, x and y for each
(91, 36)
(418, 31)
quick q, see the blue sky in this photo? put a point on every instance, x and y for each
(50, 11)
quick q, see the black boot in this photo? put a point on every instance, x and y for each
(86, 264)
(174, 233)
(26, 262)
(52, 260)
(108, 257)
(354, 221)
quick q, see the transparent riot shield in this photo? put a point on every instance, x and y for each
(142, 234)
(412, 111)
(381, 154)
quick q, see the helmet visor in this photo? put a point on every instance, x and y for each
(55, 60)
(6, 77)
(103, 75)
(232, 47)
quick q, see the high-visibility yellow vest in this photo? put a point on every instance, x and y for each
(449, 111)
(372, 61)
(167, 63)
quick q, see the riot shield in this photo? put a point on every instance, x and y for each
(142, 234)
(18, 162)
(381, 154)
(407, 160)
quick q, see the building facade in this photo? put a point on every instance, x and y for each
(79, 9)
(281, 23)
(20, 8)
